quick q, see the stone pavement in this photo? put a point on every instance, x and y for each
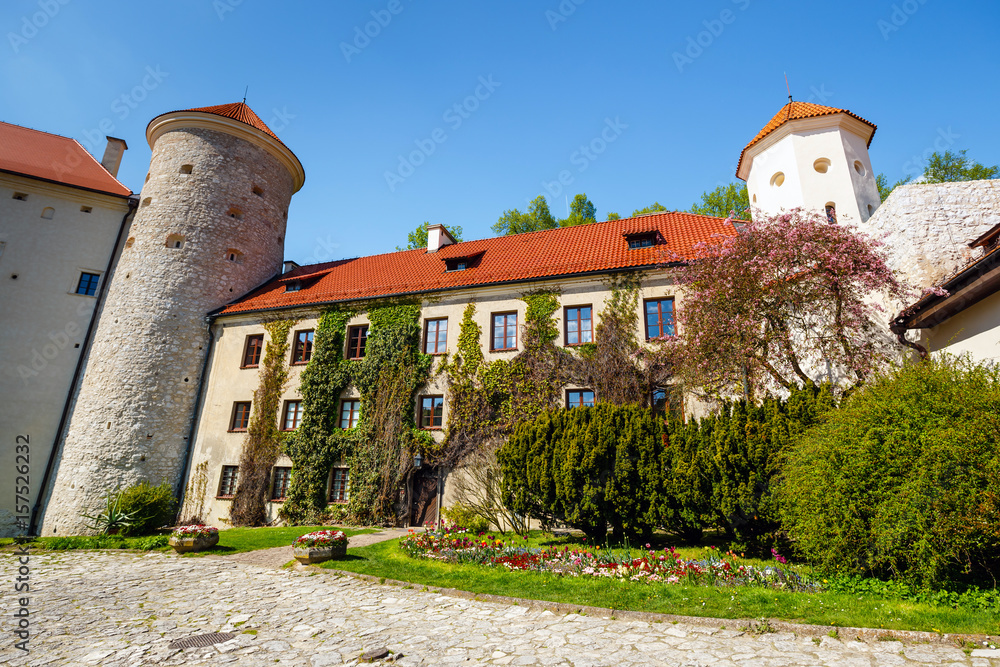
(117, 609)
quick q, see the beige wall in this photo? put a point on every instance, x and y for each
(44, 321)
(228, 383)
(974, 331)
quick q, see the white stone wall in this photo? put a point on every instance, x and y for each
(927, 227)
(135, 406)
(44, 320)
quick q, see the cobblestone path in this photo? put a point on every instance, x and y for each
(117, 609)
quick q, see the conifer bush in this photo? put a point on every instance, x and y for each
(904, 480)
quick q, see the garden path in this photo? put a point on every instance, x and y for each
(119, 609)
(278, 556)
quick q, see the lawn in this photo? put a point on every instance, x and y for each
(233, 540)
(386, 559)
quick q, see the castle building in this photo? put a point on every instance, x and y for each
(63, 217)
(162, 388)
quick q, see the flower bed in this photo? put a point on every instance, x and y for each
(666, 566)
(320, 538)
(197, 530)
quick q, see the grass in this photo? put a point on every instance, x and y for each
(233, 540)
(386, 560)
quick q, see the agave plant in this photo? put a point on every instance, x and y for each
(112, 519)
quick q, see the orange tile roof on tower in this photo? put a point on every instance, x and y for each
(798, 111)
(241, 112)
(555, 253)
(53, 158)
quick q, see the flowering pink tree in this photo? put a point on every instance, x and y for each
(784, 302)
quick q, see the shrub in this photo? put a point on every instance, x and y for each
(465, 516)
(149, 506)
(903, 480)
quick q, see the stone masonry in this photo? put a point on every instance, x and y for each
(928, 227)
(133, 413)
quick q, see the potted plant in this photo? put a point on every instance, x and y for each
(319, 546)
(193, 538)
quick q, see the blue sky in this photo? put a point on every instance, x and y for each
(664, 94)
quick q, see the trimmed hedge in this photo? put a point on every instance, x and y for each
(904, 480)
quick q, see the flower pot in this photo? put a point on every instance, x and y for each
(183, 545)
(310, 555)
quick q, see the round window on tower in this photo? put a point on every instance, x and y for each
(822, 165)
(778, 179)
(860, 168)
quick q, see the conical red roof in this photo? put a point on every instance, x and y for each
(797, 111)
(241, 112)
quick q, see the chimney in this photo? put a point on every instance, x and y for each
(438, 237)
(288, 265)
(113, 155)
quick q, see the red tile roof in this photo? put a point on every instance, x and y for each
(595, 247)
(797, 111)
(51, 157)
(241, 112)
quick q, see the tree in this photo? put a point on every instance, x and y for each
(418, 237)
(581, 211)
(652, 208)
(723, 201)
(786, 300)
(614, 216)
(951, 167)
(884, 189)
(537, 218)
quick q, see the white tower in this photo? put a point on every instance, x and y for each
(814, 157)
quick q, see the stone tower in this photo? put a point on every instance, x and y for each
(210, 228)
(814, 157)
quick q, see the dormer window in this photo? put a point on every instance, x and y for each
(641, 240)
(293, 286)
(463, 262)
(457, 264)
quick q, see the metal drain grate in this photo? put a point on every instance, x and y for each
(202, 640)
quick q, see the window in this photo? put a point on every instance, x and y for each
(431, 411)
(227, 485)
(175, 241)
(86, 209)
(87, 284)
(456, 264)
(778, 179)
(279, 490)
(252, 351)
(831, 212)
(303, 350)
(356, 339)
(340, 480)
(234, 255)
(576, 398)
(187, 168)
(436, 336)
(659, 318)
(20, 196)
(48, 212)
(504, 333)
(257, 190)
(579, 325)
(350, 413)
(293, 415)
(235, 213)
(667, 400)
(641, 240)
(822, 165)
(241, 416)
(293, 286)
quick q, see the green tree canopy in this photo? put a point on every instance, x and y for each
(652, 208)
(614, 216)
(418, 237)
(537, 218)
(949, 167)
(581, 211)
(723, 200)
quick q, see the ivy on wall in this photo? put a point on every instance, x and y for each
(262, 444)
(379, 449)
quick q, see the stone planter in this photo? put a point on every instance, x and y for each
(182, 545)
(310, 555)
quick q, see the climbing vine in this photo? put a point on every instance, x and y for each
(262, 444)
(379, 449)
(319, 443)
